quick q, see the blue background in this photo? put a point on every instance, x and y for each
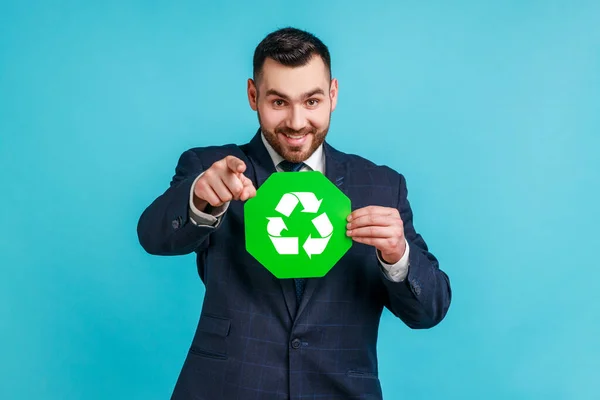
(492, 112)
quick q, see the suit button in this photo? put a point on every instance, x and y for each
(415, 287)
(296, 343)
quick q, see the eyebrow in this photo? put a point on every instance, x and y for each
(304, 95)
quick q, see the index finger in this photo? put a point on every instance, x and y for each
(374, 210)
(235, 164)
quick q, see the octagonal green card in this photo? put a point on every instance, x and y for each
(295, 226)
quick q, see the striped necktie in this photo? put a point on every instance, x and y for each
(288, 166)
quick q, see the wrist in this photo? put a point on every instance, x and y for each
(393, 257)
(389, 259)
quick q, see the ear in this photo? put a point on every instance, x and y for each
(252, 95)
(333, 93)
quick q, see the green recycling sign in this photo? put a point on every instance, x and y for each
(296, 224)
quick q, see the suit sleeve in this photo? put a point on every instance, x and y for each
(423, 298)
(165, 227)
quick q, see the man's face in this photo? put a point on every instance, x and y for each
(294, 106)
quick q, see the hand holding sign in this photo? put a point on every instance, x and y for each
(380, 227)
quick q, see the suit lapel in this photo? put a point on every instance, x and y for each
(335, 167)
(335, 171)
(260, 159)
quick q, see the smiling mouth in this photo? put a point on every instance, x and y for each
(295, 136)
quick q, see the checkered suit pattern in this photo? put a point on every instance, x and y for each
(253, 340)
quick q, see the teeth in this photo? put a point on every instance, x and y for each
(295, 137)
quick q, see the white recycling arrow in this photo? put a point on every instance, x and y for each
(315, 245)
(289, 201)
(276, 226)
(289, 245)
(323, 225)
(309, 201)
(318, 245)
(287, 204)
(283, 245)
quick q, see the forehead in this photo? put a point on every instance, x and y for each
(294, 80)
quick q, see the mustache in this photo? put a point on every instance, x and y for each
(288, 131)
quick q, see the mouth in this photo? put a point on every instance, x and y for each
(295, 139)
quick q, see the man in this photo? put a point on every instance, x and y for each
(260, 337)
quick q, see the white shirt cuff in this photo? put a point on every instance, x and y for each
(198, 217)
(399, 271)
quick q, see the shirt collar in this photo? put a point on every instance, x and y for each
(316, 160)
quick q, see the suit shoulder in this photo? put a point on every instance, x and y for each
(359, 163)
(210, 154)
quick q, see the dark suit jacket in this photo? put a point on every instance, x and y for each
(250, 342)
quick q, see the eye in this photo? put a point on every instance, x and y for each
(278, 103)
(312, 102)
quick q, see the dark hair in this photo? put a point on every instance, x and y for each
(291, 47)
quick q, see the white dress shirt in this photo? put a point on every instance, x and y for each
(316, 162)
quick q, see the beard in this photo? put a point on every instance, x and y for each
(295, 154)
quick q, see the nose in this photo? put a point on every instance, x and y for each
(296, 120)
